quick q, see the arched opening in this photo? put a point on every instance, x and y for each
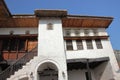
(47, 71)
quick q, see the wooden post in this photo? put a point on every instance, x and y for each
(88, 70)
(1, 55)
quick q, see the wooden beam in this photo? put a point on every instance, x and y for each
(84, 37)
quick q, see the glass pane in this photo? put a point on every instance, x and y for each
(79, 44)
(13, 44)
(98, 43)
(89, 44)
(21, 45)
(50, 26)
(69, 45)
(6, 44)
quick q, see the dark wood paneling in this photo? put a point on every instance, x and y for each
(85, 37)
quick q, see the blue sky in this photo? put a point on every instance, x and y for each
(75, 7)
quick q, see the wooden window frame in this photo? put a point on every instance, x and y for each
(14, 45)
(49, 26)
(89, 44)
(98, 44)
(79, 44)
(15, 54)
(69, 45)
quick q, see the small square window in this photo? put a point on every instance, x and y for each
(68, 32)
(86, 32)
(49, 26)
(95, 32)
(11, 32)
(77, 32)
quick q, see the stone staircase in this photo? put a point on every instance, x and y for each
(19, 66)
(25, 71)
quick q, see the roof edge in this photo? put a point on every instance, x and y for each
(86, 16)
(6, 8)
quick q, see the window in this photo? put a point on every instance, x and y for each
(69, 45)
(21, 46)
(68, 32)
(77, 32)
(27, 32)
(14, 47)
(17, 44)
(89, 44)
(11, 32)
(79, 44)
(98, 43)
(95, 32)
(14, 44)
(86, 32)
(49, 26)
(6, 44)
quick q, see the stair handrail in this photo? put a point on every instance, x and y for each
(18, 64)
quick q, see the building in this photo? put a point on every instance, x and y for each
(117, 54)
(52, 45)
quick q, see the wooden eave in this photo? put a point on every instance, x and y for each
(85, 37)
(10, 21)
(4, 12)
(86, 21)
(19, 21)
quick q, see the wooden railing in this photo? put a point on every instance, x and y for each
(18, 64)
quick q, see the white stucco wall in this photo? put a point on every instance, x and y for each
(51, 44)
(79, 75)
(103, 71)
(76, 75)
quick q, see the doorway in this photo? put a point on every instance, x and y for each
(48, 71)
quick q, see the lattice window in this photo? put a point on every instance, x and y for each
(98, 44)
(79, 44)
(14, 44)
(89, 44)
(69, 45)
